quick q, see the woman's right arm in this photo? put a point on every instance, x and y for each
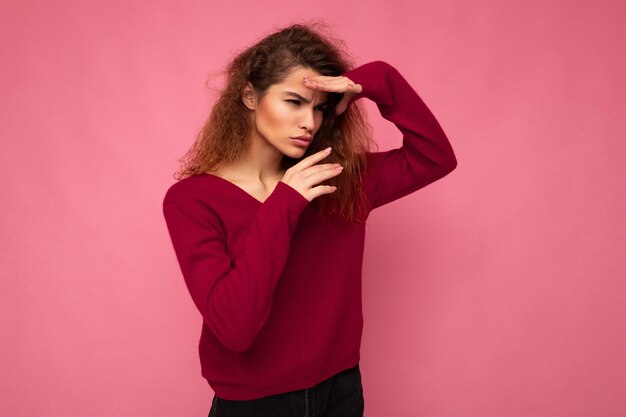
(233, 296)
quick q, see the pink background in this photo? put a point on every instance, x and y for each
(497, 291)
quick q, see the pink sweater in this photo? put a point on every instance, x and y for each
(279, 292)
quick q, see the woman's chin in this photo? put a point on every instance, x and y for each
(294, 152)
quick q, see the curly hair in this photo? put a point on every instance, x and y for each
(226, 131)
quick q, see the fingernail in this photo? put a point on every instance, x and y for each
(327, 149)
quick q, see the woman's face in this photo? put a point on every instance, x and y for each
(288, 110)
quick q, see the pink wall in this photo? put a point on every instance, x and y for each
(497, 291)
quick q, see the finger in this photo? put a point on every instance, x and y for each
(333, 83)
(354, 88)
(343, 103)
(311, 160)
(345, 87)
(319, 168)
(340, 108)
(322, 189)
(328, 78)
(330, 87)
(323, 175)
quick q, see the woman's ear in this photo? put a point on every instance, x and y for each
(248, 96)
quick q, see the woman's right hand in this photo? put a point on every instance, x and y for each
(305, 174)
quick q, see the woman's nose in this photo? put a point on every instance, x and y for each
(308, 119)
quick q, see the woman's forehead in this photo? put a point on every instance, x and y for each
(294, 82)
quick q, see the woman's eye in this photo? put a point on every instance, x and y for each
(297, 103)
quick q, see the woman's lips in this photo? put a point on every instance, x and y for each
(301, 142)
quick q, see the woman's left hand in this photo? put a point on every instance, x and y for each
(339, 84)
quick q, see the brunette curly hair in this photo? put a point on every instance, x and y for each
(226, 131)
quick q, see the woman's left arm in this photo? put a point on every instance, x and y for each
(426, 154)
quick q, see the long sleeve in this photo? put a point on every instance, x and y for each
(426, 154)
(233, 296)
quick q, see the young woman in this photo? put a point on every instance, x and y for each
(268, 217)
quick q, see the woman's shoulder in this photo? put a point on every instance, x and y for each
(194, 188)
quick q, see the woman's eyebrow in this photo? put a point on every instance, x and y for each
(294, 94)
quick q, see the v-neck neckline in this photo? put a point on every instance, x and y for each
(250, 196)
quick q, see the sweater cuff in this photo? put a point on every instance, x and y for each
(290, 196)
(372, 77)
